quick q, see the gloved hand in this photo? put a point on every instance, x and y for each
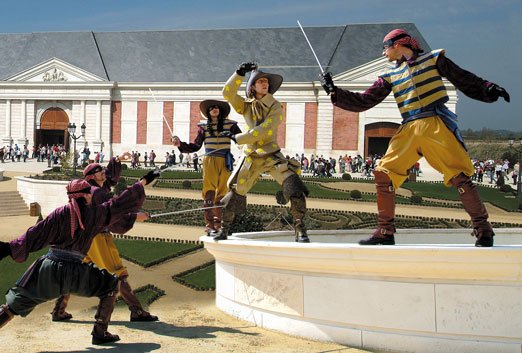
(327, 82)
(5, 250)
(150, 176)
(176, 141)
(246, 67)
(495, 91)
(229, 135)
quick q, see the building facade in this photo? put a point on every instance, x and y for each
(130, 89)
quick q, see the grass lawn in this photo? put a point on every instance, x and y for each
(10, 271)
(146, 295)
(149, 253)
(439, 191)
(202, 279)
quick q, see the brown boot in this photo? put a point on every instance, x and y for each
(234, 204)
(99, 333)
(296, 191)
(218, 214)
(386, 212)
(137, 312)
(298, 210)
(475, 208)
(6, 315)
(59, 313)
(224, 230)
(209, 214)
(301, 235)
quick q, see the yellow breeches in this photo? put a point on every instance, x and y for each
(215, 177)
(250, 168)
(428, 137)
(104, 254)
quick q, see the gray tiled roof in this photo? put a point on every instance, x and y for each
(199, 55)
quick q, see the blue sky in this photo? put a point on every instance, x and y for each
(482, 36)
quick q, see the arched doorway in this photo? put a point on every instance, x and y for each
(377, 136)
(53, 128)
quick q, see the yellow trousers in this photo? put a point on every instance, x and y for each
(215, 177)
(105, 255)
(428, 137)
(250, 168)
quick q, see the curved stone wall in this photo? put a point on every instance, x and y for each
(421, 296)
(50, 194)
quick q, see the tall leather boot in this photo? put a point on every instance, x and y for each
(295, 190)
(59, 313)
(137, 312)
(298, 210)
(99, 333)
(233, 204)
(473, 205)
(218, 215)
(209, 214)
(6, 315)
(385, 212)
(226, 221)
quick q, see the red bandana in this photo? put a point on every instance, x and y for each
(91, 169)
(75, 189)
(400, 36)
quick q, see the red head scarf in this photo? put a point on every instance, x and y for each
(92, 169)
(75, 189)
(400, 36)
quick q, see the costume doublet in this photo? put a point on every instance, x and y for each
(261, 153)
(218, 162)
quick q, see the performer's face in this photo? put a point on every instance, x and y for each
(261, 87)
(100, 177)
(214, 112)
(88, 198)
(391, 52)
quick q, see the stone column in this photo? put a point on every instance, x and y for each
(22, 140)
(7, 140)
(97, 143)
(324, 126)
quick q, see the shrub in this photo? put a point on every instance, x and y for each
(124, 166)
(416, 199)
(355, 194)
(247, 222)
(506, 188)
(187, 184)
(56, 169)
(346, 176)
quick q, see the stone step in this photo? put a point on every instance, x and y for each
(13, 203)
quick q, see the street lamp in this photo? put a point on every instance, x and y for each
(72, 130)
(518, 149)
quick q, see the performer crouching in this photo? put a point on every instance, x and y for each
(68, 231)
(103, 251)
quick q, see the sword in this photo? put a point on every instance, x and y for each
(164, 119)
(310, 45)
(185, 211)
(285, 66)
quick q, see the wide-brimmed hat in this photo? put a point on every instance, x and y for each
(274, 81)
(224, 108)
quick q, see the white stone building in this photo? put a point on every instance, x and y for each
(126, 86)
